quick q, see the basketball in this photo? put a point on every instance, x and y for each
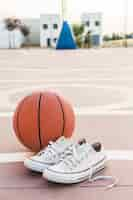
(42, 117)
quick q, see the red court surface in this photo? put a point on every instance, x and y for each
(99, 84)
(17, 182)
(110, 129)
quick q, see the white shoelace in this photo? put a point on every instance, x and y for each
(73, 159)
(52, 150)
(97, 178)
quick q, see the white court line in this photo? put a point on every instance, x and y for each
(85, 113)
(61, 69)
(13, 157)
(28, 89)
(20, 156)
(84, 79)
(119, 154)
(6, 114)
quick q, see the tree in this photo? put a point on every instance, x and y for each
(87, 40)
(106, 38)
(78, 30)
(13, 23)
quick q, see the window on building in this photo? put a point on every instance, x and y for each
(55, 40)
(87, 23)
(55, 26)
(97, 23)
(45, 26)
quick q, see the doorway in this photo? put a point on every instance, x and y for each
(48, 42)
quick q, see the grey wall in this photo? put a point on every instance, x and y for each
(34, 25)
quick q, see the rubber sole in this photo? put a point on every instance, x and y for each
(35, 166)
(60, 178)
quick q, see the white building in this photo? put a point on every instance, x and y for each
(93, 24)
(44, 32)
(50, 26)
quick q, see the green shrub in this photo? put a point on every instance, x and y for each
(78, 30)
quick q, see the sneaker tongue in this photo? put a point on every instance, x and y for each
(83, 146)
(62, 143)
(61, 139)
(97, 146)
(82, 141)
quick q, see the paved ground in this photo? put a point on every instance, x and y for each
(98, 82)
(103, 78)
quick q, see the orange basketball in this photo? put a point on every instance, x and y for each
(42, 117)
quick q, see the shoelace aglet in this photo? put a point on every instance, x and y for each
(114, 184)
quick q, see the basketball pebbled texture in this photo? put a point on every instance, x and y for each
(42, 117)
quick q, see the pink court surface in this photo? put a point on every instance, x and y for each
(99, 83)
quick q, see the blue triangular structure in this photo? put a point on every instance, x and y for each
(66, 39)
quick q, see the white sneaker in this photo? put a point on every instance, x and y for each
(49, 156)
(84, 161)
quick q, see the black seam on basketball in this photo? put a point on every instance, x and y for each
(63, 115)
(39, 128)
(17, 125)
